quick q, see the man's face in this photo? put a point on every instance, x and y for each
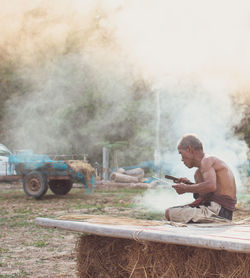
(187, 156)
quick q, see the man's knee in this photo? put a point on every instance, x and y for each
(167, 214)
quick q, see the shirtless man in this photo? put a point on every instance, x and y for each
(214, 185)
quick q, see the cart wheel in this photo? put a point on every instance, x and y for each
(35, 184)
(60, 187)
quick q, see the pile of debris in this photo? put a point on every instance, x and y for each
(129, 178)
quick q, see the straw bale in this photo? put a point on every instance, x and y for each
(82, 167)
(101, 257)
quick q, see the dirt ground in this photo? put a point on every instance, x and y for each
(27, 250)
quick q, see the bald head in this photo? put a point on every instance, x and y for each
(190, 140)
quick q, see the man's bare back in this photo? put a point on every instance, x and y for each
(224, 178)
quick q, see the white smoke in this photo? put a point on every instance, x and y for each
(159, 199)
(194, 54)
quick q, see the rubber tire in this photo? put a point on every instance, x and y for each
(35, 184)
(60, 187)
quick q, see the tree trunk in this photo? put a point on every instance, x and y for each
(117, 177)
(137, 172)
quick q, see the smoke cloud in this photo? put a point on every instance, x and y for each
(194, 54)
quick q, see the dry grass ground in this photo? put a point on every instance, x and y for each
(27, 250)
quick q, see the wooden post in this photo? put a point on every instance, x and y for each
(105, 171)
(115, 159)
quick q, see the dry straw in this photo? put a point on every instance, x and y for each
(106, 257)
(106, 219)
(80, 166)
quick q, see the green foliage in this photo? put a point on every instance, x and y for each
(80, 118)
(66, 99)
(40, 243)
(11, 86)
(242, 100)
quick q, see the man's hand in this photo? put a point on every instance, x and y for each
(180, 188)
(183, 180)
(196, 202)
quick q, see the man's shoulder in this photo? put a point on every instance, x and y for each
(207, 162)
(214, 162)
(209, 158)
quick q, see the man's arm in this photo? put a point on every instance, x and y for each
(207, 181)
(198, 176)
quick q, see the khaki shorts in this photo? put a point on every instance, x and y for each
(185, 214)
